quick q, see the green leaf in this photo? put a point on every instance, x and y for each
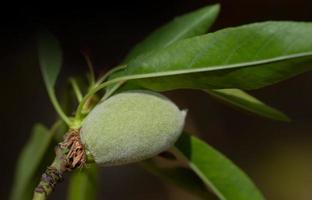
(83, 183)
(243, 100)
(188, 25)
(246, 57)
(225, 179)
(196, 23)
(50, 60)
(29, 161)
(184, 178)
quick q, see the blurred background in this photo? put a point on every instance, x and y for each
(276, 155)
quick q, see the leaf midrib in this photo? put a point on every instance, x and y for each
(212, 68)
(189, 28)
(200, 174)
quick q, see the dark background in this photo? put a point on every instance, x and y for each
(276, 155)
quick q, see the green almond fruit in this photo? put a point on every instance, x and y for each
(131, 126)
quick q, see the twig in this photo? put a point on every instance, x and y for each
(69, 155)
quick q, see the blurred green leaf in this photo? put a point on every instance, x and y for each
(29, 161)
(243, 100)
(246, 57)
(188, 25)
(50, 60)
(83, 183)
(225, 179)
(182, 177)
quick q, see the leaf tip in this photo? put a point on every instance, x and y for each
(284, 118)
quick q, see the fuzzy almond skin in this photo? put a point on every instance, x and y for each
(131, 126)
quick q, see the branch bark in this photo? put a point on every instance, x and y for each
(69, 154)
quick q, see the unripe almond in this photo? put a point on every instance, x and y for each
(131, 126)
